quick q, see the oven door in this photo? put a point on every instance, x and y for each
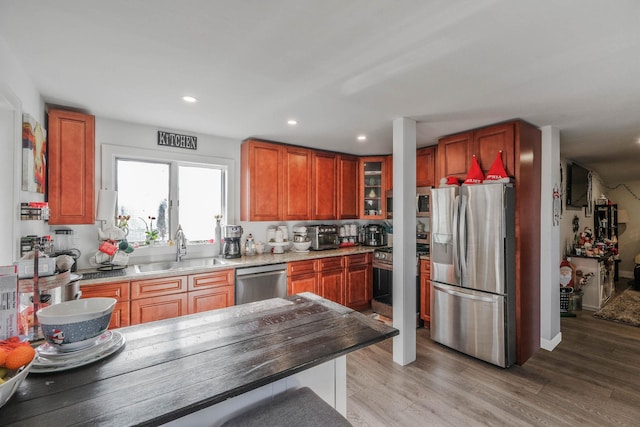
(382, 282)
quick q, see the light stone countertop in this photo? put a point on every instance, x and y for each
(130, 273)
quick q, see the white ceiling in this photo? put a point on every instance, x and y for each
(345, 67)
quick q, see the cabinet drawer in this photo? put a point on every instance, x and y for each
(332, 263)
(210, 280)
(157, 287)
(158, 308)
(359, 259)
(300, 267)
(117, 290)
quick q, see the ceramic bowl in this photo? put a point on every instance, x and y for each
(301, 246)
(8, 388)
(73, 325)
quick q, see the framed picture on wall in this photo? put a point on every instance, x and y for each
(34, 155)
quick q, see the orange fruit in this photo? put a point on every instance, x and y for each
(3, 356)
(19, 356)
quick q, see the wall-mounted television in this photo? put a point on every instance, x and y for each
(577, 186)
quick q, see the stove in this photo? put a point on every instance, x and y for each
(383, 255)
(382, 302)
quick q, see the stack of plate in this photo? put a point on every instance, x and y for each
(54, 358)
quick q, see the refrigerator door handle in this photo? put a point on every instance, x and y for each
(456, 262)
(464, 294)
(462, 244)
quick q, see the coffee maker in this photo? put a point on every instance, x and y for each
(231, 247)
(373, 235)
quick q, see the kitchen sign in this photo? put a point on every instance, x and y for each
(176, 140)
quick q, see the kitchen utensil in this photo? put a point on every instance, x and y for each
(72, 324)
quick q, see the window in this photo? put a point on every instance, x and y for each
(160, 194)
(200, 192)
(143, 195)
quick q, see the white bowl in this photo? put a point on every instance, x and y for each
(72, 325)
(8, 388)
(301, 246)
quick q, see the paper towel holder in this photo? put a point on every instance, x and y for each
(106, 207)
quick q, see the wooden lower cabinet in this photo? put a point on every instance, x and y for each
(301, 277)
(358, 281)
(331, 285)
(302, 283)
(346, 280)
(210, 291)
(158, 308)
(160, 298)
(117, 290)
(425, 292)
(210, 299)
(331, 279)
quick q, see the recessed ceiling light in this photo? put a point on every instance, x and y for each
(189, 99)
(292, 122)
(362, 137)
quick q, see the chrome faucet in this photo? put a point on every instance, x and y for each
(181, 244)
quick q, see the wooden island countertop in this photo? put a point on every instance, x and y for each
(172, 368)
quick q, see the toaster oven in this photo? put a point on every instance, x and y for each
(323, 237)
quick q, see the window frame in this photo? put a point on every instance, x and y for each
(110, 153)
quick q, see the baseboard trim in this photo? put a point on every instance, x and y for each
(549, 345)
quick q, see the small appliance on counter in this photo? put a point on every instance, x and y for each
(231, 246)
(300, 234)
(373, 235)
(324, 236)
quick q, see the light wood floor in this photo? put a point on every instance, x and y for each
(592, 378)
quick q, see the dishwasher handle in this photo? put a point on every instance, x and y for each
(270, 268)
(268, 273)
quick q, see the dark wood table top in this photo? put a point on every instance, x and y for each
(171, 368)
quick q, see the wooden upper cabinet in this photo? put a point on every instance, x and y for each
(426, 167)
(261, 181)
(348, 172)
(325, 185)
(487, 142)
(455, 151)
(373, 187)
(389, 171)
(70, 161)
(454, 155)
(296, 168)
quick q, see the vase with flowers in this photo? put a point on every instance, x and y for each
(152, 234)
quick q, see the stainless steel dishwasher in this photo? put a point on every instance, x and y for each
(259, 283)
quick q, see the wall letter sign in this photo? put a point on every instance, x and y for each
(176, 140)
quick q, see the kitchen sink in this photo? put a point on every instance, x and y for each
(179, 265)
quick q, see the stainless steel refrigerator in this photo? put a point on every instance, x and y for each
(473, 270)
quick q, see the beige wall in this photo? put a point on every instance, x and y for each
(629, 235)
(627, 196)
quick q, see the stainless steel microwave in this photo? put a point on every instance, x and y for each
(423, 202)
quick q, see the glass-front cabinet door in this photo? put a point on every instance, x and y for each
(372, 188)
